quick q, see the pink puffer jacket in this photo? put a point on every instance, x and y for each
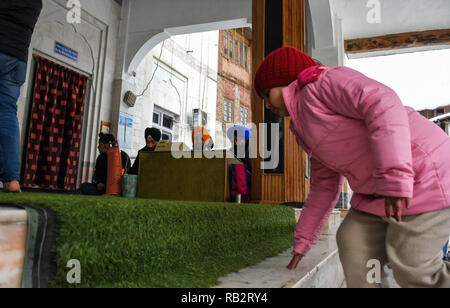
(356, 127)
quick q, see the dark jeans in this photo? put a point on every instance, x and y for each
(90, 189)
(12, 77)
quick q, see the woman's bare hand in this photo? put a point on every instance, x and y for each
(295, 261)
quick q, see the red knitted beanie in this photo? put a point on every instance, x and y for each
(281, 68)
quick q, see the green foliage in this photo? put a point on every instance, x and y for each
(153, 243)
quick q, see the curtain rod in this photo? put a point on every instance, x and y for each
(38, 56)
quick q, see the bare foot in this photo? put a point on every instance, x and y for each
(12, 187)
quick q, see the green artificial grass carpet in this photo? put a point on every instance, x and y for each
(151, 243)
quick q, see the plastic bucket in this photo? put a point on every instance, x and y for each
(129, 186)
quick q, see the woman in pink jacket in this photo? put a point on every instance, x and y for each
(396, 161)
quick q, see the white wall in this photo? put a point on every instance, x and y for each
(100, 27)
(191, 61)
(149, 18)
(325, 33)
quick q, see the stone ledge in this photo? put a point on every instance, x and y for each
(309, 281)
(13, 236)
(320, 268)
(12, 215)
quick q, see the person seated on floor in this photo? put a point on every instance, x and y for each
(201, 139)
(98, 185)
(240, 140)
(152, 138)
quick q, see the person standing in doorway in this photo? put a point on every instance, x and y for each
(17, 21)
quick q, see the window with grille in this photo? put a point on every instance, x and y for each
(230, 46)
(241, 53)
(244, 116)
(228, 112)
(225, 45)
(167, 122)
(246, 57)
(164, 121)
(156, 118)
(166, 136)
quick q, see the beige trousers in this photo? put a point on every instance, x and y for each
(413, 249)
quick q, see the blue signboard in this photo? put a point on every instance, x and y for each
(66, 51)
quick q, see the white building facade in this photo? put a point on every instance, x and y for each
(176, 84)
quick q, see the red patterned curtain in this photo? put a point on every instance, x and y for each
(53, 150)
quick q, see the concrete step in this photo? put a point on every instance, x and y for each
(13, 236)
(321, 268)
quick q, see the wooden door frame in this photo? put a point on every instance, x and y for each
(295, 35)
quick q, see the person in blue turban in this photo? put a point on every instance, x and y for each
(240, 139)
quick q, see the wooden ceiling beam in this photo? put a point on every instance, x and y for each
(398, 41)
